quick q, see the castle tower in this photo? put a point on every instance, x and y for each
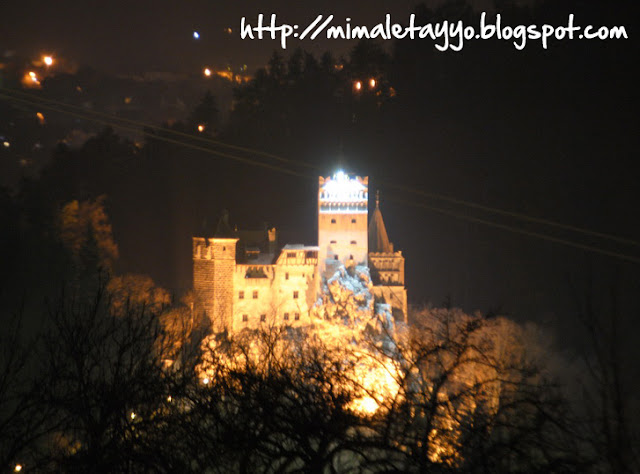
(214, 263)
(342, 221)
(386, 266)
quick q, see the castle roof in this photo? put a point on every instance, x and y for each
(224, 229)
(378, 238)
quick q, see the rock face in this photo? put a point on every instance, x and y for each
(346, 299)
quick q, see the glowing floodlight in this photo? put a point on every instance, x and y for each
(196, 35)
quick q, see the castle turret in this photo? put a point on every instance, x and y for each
(342, 221)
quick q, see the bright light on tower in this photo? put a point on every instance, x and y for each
(357, 85)
(18, 468)
(372, 82)
(207, 72)
(201, 128)
(48, 60)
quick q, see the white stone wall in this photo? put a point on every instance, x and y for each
(344, 236)
(283, 297)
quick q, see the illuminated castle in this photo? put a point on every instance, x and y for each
(243, 280)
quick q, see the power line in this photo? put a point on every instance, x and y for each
(513, 214)
(516, 215)
(517, 230)
(282, 169)
(161, 138)
(159, 128)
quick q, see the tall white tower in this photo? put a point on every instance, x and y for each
(342, 221)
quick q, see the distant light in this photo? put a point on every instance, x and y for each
(6, 144)
(228, 31)
(206, 380)
(201, 128)
(33, 76)
(196, 35)
(18, 468)
(48, 60)
(40, 117)
(357, 85)
(169, 399)
(133, 415)
(207, 72)
(372, 82)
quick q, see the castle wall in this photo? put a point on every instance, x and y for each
(343, 236)
(396, 296)
(278, 294)
(387, 268)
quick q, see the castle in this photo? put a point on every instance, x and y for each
(242, 279)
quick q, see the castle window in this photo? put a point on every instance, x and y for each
(286, 276)
(291, 255)
(286, 316)
(353, 242)
(333, 221)
(350, 257)
(295, 295)
(255, 294)
(353, 221)
(245, 318)
(224, 249)
(333, 242)
(335, 257)
(297, 317)
(241, 295)
(263, 318)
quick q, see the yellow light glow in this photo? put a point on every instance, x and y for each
(169, 399)
(207, 72)
(201, 128)
(40, 117)
(205, 380)
(357, 85)
(365, 406)
(6, 144)
(48, 60)
(18, 468)
(133, 415)
(372, 82)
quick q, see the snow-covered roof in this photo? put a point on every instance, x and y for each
(300, 247)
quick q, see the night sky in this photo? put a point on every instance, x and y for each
(125, 37)
(571, 160)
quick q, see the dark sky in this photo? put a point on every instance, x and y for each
(538, 170)
(132, 36)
